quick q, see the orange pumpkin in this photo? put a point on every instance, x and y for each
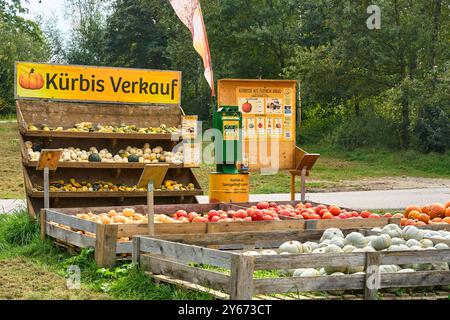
(437, 220)
(437, 210)
(397, 215)
(409, 209)
(446, 220)
(447, 212)
(424, 217)
(420, 223)
(425, 209)
(414, 214)
(31, 80)
(447, 205)
(403, 221)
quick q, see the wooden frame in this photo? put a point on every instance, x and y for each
(66, 114)
(203, 233)
(172, 262)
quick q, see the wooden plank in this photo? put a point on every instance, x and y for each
(351, 223)
(136, 252)
(372, 276)
(112, 194)
(407, 257)
(206, 278)
(309, 260)
(259, 238)
(67, 236)
(415, 279)
(189, 286)
(124, 247)
(70, 221)
(105, 245)
(297, 284)
(43, 224)
(100, 135)
(255, 226)
(435, 241)
(104, 165)
(186, 253)
(154, 173)
(241, 278)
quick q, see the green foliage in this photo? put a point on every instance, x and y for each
(19, 229)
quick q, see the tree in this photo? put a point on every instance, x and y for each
(21, 39)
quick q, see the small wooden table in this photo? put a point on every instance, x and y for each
(304, 165)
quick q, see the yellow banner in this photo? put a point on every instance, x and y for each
(88, 83)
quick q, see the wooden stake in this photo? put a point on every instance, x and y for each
(43, 223)
(303, 181)
(105, 245)
(46, 188)
(150, 209)
(372, 281)
(292, 186)
(241, 277)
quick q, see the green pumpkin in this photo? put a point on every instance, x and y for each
(94, 157)
(133, 158)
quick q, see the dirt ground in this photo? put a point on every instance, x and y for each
(22, 279)
(383, 183)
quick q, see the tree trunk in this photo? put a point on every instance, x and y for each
(404, 130)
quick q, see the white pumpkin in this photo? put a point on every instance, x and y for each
(307, 248)
(337, 241)
(427, 243)
(441, 266)
(377, 229)
(298, 272)
(330, 233)
(312, 245)
(332, 248)
(268, 252)
(322, 272)
(406, 270)
(441, 246)
(348, 248)
(397, 241)
(381, 242)
(319, 250)
(411, 232)
(310, 272)
(356, 239)
(422, 266)
(325, 243)
(291, 247)
(389, 268)
(250, 253)
(413, 243)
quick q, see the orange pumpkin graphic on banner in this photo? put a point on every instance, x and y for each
(31, 80)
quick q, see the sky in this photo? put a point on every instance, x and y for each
(48, 9)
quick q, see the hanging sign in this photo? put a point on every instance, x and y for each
(102, 84)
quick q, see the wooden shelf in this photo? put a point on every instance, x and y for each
(107, 165)
(113, 194)
(100, 135)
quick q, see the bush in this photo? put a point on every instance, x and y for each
(431, 131)
(19, 229)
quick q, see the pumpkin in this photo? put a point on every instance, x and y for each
(427, 243)
(310, 272)
(414, 214)
(94, 157)
(447, 212)
(337, 241)
(441, 246)
(332, 248)
(251, 253)
(389, 268)
(356, 239)
(440, 266)
(330, 233)
(337, 292)
(381, 242)
(31, 80)
(291, 247)
(377, 229)
(397, 241)
(399, 247)
(133, 158)
(348, 248)
(368, 249)
(309, 246)
(268, 252)
(298, 272)
(411, 232)
(409, 209)
(325, 243)
(406, 270)
(319, 250)
(425, 218)
(437, 210)
(413, 243)
(422, 266)
(356, 268)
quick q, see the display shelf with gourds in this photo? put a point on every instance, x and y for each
(103, 142)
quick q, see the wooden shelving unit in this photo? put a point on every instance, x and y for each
(66, 114)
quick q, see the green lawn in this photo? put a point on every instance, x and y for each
(334, 171)
(35, 269)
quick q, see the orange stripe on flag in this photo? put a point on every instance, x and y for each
(190, 14)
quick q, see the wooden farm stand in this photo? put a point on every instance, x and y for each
(66, 114)
(176, 259)
(108, 248)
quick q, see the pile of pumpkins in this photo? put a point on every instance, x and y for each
(146, 154)
(436, 213)
(90, 127)
(389, 238)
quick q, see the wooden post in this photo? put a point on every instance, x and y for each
(150, 209)
(292, 186)
(136, 253)
(372, 281)
(105, 245)
(241, 277)
(303, 188)
(43, 223)
(46, 189)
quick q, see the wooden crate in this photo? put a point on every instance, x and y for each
(66, 114)
(170, 261)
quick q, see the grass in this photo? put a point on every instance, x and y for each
(35, 269)
(336, 170)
